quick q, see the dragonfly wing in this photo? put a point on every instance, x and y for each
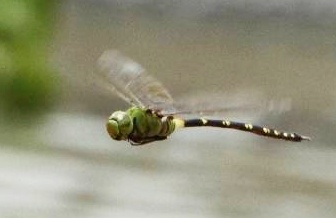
(130, 80)
(231, 104)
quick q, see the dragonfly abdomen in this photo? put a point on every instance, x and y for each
(259, 130)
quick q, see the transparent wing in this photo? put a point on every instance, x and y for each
(237, 103)
(131, 82)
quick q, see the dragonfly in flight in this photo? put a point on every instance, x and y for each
(153, 115)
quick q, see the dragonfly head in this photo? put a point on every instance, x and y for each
(119, 125)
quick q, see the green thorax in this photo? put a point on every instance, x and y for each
(149, 125)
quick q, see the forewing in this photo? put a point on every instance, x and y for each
(130, 80)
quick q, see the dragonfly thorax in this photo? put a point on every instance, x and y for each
(119, 125)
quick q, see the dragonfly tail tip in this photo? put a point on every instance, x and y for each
(306, 138)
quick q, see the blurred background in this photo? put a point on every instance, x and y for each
(58, 161)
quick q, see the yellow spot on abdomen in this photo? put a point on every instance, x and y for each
(226, 123)
(179, 123)
(204, 121)
(266, 130)
(248, 126)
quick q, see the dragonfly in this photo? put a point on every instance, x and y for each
(153, 116)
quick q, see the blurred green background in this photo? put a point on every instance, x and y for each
(58, 161)
(27, 85)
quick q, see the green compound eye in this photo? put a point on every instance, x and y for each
(113, 129)
(119, 125)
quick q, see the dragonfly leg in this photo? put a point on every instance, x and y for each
(136, 142)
